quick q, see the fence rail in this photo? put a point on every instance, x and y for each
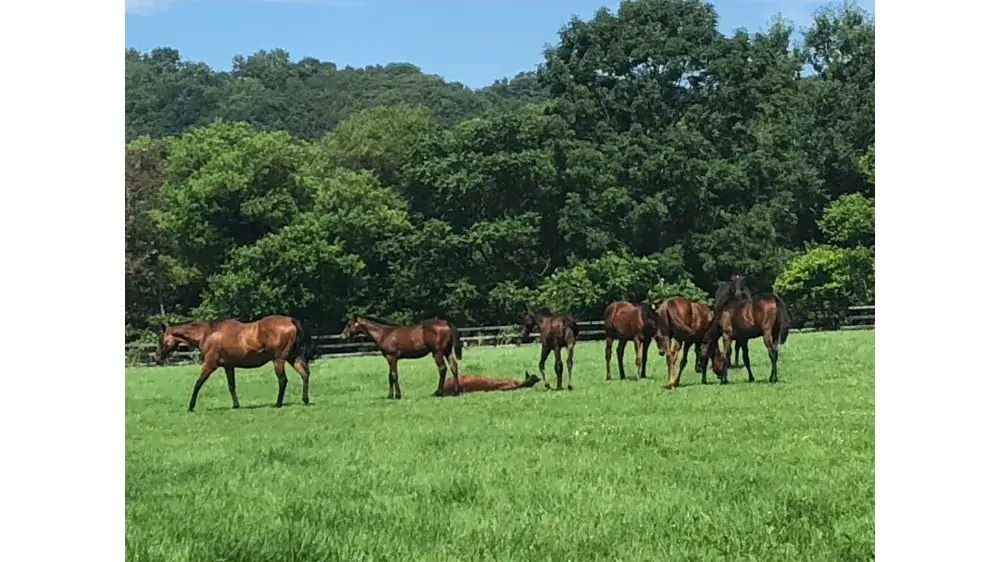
(326, 345)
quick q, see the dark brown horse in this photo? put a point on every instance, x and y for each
(625, 321)
(434, 336)
(557, 331)
(683, 323)
(229, 344)
(471, 383)
(735, 288)
(744, 319)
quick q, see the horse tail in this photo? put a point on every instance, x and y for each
(303, 343)
(784, 321)
(456, 341)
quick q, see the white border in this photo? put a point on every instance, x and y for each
(936, 382)
(62, 410)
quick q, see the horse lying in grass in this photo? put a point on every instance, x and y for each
(472, 383)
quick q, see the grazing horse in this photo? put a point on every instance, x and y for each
(682, 323)
(625, 321)
(472, 383)
(229, 344)
(736, 287)
(745, 319)
(412, 342)
(557, 331)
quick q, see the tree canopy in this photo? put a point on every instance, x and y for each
(649, 155)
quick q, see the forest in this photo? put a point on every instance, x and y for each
(649, 155)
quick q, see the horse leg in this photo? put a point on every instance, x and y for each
(394, 378)
(727, 352)
(231, 379)
(559, 368)
(279, 371)
(645, 356)
(772, 352)
(684, 361)
(569, 363)
(206, 371)
(637, 345)
(453, 365)
(621, 357)
(442, 373)
(607, 356)
(742, 346)
(736, 358)
(541, 363)
(302, 368)
(673, 374)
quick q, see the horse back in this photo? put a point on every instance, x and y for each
(557, 331)
(623, 318)
(251, 344)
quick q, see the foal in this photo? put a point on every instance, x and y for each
(744, 319)
(471, 383)
(683, 323)
(412, 342)
(557, 331)
(229, 344)
(625, 321)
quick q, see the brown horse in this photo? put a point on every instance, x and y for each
(737, 288)
(744, 319)
(557, 331)
(412, 342)
(229, 344)
(625, 321)
(682, 323)
(471, 383)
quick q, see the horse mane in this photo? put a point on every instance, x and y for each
(542, 311)
(376, 320)
(648, 314)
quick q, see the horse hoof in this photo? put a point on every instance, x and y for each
(547, 385)
(569, 387)
(236, 406)
(190, 410)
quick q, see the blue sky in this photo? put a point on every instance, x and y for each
(471, 41)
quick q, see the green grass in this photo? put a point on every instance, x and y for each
(609, 471)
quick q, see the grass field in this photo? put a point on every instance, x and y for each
(609, 471)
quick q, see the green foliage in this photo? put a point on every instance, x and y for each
(295, 271)
(684, 288)
(650, 156)
(849, 221)
(821, 283)
(867, 165)
(165, 95)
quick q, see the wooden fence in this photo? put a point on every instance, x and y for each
(858, 318)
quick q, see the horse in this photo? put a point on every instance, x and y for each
(557, 331)
(745, 319)
(434, 336)
(472, 383)
(625, 321)
(736, 287)
(682, 323)
(229, 343)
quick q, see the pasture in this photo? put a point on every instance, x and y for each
(610, 471)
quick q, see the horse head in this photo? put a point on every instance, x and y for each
(166, 343)
(352, 328)
(530, 380)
